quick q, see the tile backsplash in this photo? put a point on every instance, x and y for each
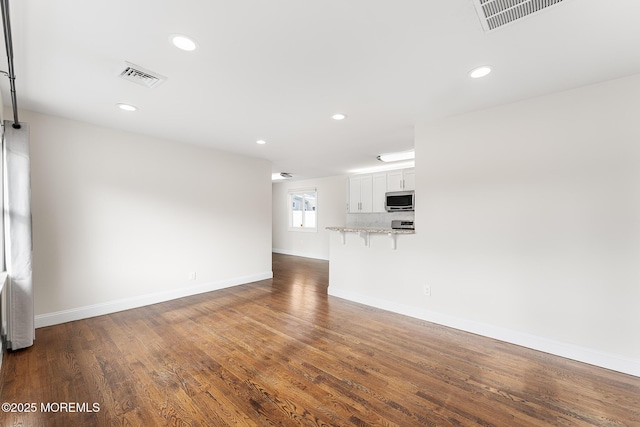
(380, 220)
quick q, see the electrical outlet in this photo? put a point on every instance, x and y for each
(427, 290)
(192, 275)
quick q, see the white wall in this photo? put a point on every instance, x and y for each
(332, 199)
(120, 220)
(528, 227)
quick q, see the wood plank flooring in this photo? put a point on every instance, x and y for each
(282, 353)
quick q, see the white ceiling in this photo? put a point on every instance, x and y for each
(278, 69)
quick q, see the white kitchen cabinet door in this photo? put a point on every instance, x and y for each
(379, 190)
(354, 194)
(360, 194)
(366, 194)
(409, 179)
(394, 180)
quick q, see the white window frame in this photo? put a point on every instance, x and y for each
(301, 192)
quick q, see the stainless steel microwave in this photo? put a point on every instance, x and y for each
(399, 201)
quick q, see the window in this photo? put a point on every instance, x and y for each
(303, 209)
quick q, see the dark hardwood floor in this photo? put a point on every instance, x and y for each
(281, 352)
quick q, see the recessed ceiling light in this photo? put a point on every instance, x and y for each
(183, 42)
(476, 73)
(396, 157)
(261, 142)
(126, 107)
(339, 116)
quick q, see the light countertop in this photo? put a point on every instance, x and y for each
(371, 230)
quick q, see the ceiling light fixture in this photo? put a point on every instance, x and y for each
(339, 116)
(479, 72)
(183, 42)
(261, 142)
(396, 157)
(126, 107)
(384, 167)
(280, 176)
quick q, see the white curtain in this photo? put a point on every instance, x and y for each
(17, 236)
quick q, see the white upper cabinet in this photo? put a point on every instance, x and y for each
(379, 190)
(409, 179)
(394, 180)
(401, 180)
(361, 194)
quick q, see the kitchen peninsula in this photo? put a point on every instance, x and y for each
(365, 233)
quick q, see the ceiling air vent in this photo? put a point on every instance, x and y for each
(141, 76)
(496, 13)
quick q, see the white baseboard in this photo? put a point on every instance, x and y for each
(55, 318)
(581, 354)
(300, 254)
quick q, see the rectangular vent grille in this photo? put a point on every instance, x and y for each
(496, 13)
(139, 75)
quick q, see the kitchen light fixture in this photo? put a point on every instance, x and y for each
(339, 116)
(479, 72)
(384, 167)
(183, 42)
(261, 142)
(126, 107)
(396, 157)
(280, 176)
